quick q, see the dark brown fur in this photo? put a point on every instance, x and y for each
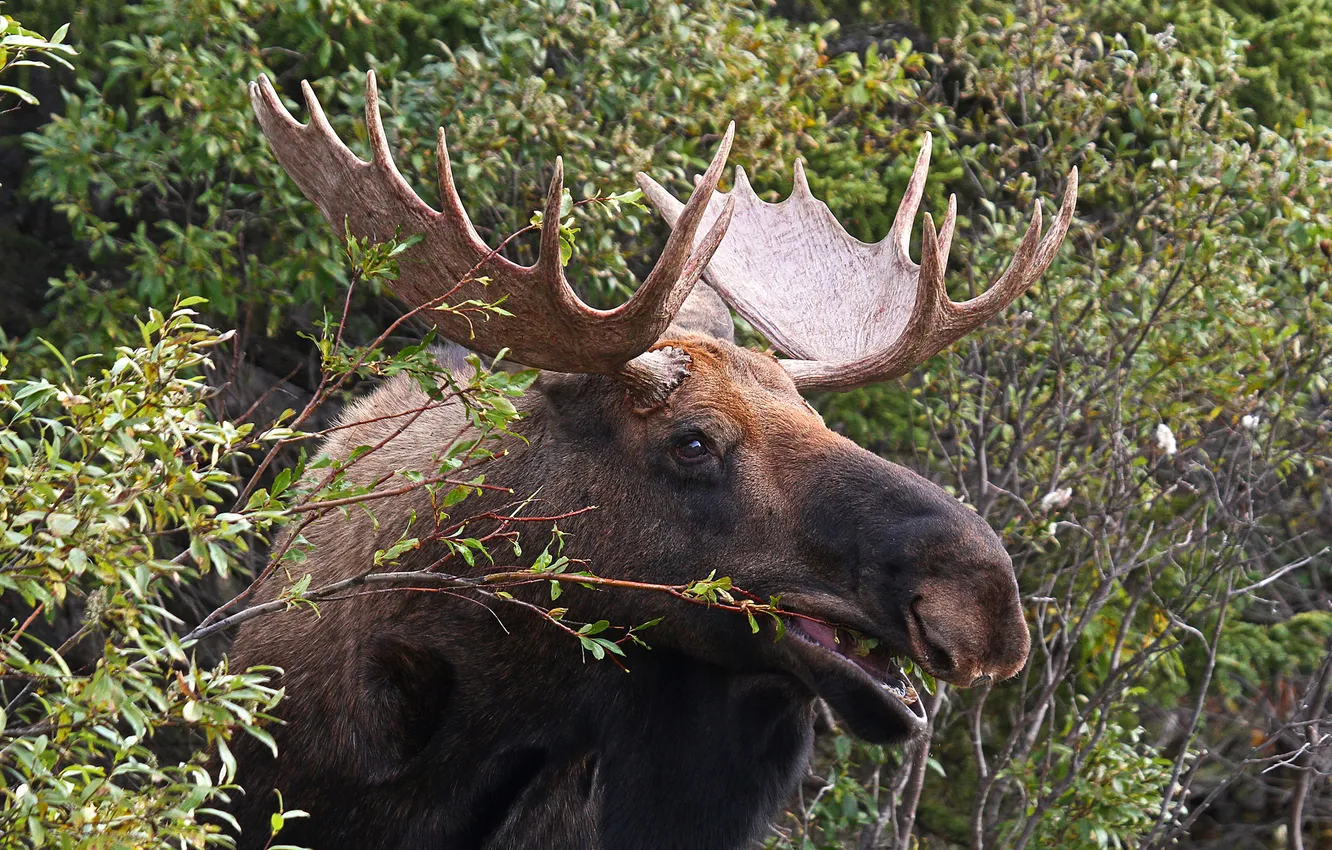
(422, 720)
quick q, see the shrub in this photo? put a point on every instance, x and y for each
(123, 513)
(97, 477)
(23, 48)
(1281, 40)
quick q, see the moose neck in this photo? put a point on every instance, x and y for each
(617, 757)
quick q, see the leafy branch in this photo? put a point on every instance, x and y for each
(24, 48)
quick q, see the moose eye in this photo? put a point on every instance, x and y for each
(690, 449)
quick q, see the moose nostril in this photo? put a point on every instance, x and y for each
(940, 659)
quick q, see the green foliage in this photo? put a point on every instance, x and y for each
(156, 163)
(1284, 44)
(119, 495)
(24, 48)
(1108, 795)
(97, 475)
(936, 18)
(846, 799)
(1270, 657)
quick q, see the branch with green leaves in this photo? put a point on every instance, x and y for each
(23, 48)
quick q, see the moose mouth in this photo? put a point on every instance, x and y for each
(860, 678)
(878, 664)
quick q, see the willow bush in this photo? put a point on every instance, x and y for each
(123, 514)
(96, 473)
(1148, 427)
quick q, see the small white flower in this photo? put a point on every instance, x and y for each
(1249, 422)
(1151, 98)
(1056, 499)
(1165, 438)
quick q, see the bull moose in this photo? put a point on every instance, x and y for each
(426, 720)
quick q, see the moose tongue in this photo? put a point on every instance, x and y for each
(876, 662)
(822, 633)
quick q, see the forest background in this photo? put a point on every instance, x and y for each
(1148, 429)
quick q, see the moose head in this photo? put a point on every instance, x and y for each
(423, 721)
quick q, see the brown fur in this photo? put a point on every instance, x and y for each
(427, 720)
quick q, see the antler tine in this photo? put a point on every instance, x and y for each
(550, 223)
(666, 286)
(946, 232)
(931, 295)
(681, 241)
(318, 120)
(900, 232)
(450, 205)
(1050, 244)
(1012, 283)
(933, 261)
(698, 261)
(544, 325)
(1029, 263)
(851, 313)
(800, 183)
(374, 125)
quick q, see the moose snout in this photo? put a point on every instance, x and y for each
(970, 630)
(962, 610)
(922, 560)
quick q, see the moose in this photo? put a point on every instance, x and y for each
(430, 720)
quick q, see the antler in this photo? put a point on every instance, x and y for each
(550, 327)
(851, 312)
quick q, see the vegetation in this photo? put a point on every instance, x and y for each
(23, 48)
(97, 474)
(1149, 428)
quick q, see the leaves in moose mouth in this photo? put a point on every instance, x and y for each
(888, 669)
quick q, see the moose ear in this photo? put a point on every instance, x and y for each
(703, 312)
